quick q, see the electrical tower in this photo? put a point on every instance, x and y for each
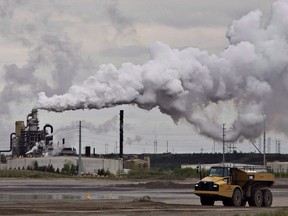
(269, 145)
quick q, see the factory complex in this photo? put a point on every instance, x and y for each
(30, 145)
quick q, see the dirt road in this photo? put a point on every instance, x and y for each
(107, 197)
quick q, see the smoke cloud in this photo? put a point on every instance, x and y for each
(252, 73)
(109, 125)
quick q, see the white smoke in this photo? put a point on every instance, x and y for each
(252, 72)
(109, 125)
(37, 145)
(132, 140)
(47, 51)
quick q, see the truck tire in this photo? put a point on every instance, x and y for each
(236, 199)
(208, 201)
(267, 198)
(256, 199)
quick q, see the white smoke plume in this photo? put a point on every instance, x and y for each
(122, 26)
(136, 139)
(252, 72)
(109, 125)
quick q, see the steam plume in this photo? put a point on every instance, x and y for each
(109, 125)
(252, 72)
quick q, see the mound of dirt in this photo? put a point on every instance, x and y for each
(158, 184)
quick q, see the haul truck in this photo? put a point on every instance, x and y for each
(235, 187)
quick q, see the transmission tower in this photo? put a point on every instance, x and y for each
(269, 145)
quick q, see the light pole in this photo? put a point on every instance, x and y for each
(264, 144)
(79, 155)
(223, 144)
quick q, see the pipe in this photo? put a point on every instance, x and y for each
(10, 143)
(48, 125)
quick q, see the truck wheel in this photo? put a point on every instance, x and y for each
(256, 199)
(267, 198)
(206, 200)
(236, 198)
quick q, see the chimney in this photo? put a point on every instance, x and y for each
(121, 134)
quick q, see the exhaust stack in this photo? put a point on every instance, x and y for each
(121, 134)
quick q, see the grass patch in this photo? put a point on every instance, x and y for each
(29, 174)
(139, 173)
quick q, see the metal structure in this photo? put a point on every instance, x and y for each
(121, 133)
(27, 140)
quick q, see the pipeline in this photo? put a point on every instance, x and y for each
(11, 137)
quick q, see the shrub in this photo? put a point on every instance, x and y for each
(186, 172)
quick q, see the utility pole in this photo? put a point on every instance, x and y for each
(167, 147)
(106, 148)
(264, 145)
(155, 143)
(223, 144)
(278, 147)
(79, 155)
(155, 146)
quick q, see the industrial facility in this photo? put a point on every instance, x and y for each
(29, 144)
(28, 139)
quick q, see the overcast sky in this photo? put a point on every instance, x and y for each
(50, 45)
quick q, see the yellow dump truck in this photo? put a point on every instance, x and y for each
(235, 187)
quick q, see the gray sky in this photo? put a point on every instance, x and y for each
(50, 45)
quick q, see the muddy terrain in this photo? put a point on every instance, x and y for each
(110, 197)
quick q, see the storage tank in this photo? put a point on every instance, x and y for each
(87, 151)
(19, 125)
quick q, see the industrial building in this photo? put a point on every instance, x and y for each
(136, 162)
(278, 167)
(29, 144)
(28, 139)
(275, 166)
(88, 165)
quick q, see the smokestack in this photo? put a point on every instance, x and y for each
(121, 134)
(87, 151)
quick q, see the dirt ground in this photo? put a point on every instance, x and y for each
(110, 197)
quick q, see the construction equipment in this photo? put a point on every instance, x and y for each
(235, 187)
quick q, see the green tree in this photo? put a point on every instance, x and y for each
(3, 158)
(57, 170)
(73, 169)
(65, 169)
(35, 165)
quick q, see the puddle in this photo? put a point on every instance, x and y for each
(49, 196)
(93, 195)
(10, 197)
